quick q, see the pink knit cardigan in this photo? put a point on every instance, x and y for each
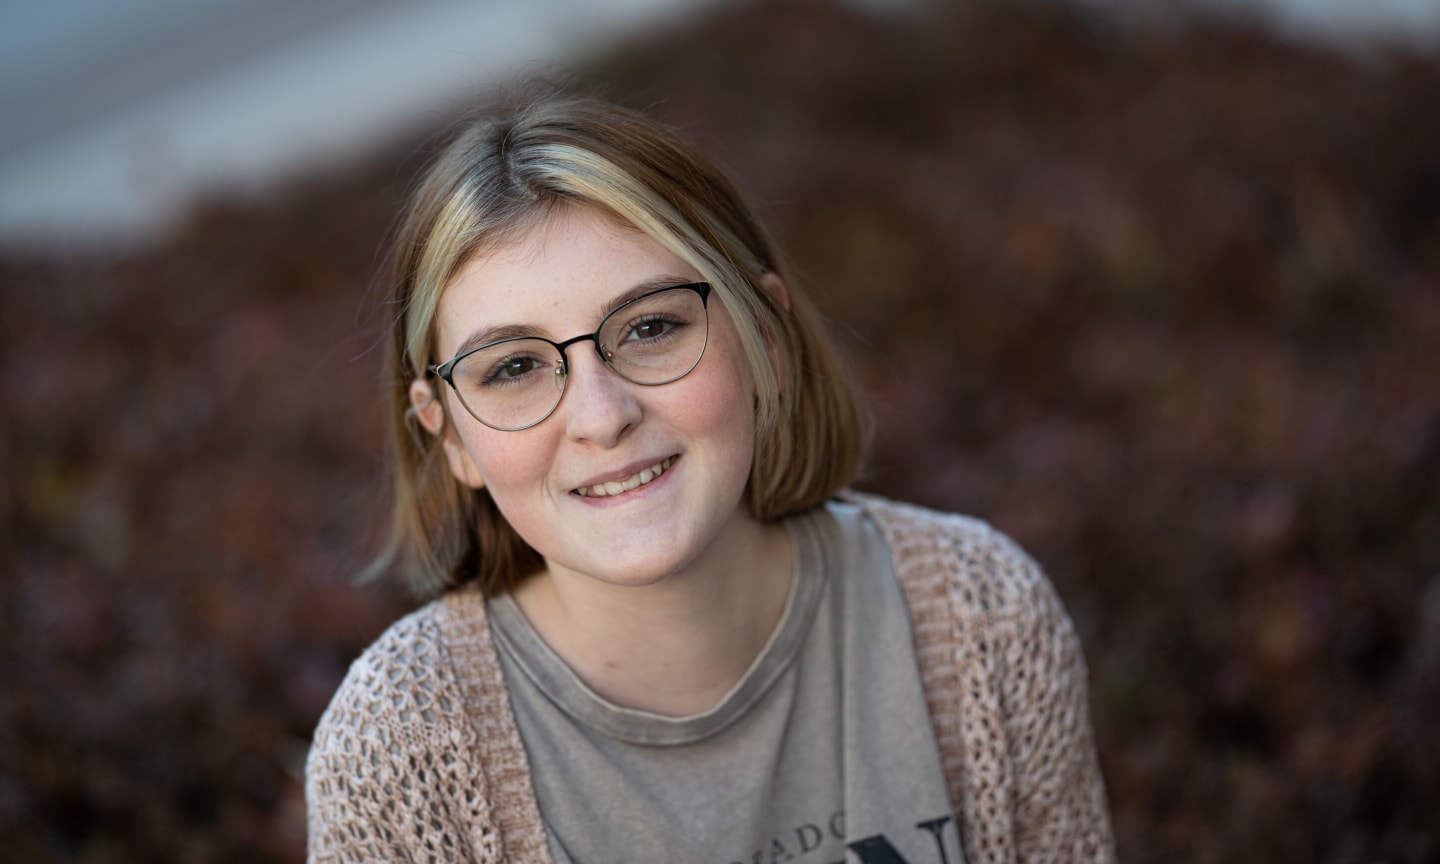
(418, 757)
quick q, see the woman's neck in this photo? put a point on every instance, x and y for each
(676, 647)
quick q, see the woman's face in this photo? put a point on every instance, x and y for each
(558, 280)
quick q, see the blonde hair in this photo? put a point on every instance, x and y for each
(510, 166)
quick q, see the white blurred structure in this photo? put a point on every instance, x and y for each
(117, 114)
(1352, 23)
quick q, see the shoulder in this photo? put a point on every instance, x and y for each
(1005, 682)
(395, 751)
(407, 680)
(938, 555)
(386, 698)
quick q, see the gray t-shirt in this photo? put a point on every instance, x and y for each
(823, 752)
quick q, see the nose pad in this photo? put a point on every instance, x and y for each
(606, 357)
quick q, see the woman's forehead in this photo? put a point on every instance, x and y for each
(561, 271)
(548, 234)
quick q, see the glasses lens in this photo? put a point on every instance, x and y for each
(657, 338)
(511, 384)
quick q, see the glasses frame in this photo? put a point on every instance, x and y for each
(445, 371)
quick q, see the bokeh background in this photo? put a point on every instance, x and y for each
(1157, 294)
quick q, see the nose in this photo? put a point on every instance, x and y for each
(598, 405)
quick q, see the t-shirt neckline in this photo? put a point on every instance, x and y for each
(559, 683)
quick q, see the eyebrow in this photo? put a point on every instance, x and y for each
(499, 332)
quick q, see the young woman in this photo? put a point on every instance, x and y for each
(660, 629)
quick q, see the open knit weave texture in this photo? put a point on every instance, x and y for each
(418, 757)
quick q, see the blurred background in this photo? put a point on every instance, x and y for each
(1155, 288)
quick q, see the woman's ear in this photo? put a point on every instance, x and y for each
(776, 286)
(426, 408)
(431, 414)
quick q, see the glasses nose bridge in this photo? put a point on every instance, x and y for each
(564, 349)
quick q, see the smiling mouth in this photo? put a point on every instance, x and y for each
(634, 481)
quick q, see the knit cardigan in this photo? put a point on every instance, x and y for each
(418, 757)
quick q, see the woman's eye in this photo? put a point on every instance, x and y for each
(512, 368)
(648, 329)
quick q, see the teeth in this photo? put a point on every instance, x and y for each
(634, 481)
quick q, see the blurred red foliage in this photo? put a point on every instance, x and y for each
(1162, 304)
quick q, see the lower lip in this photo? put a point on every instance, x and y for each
(637, 492)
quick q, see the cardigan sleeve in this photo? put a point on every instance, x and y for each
(389, 776)
(1060, 807)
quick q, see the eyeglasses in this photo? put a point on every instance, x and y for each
(513, 384)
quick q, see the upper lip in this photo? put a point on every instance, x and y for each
(622, 473)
